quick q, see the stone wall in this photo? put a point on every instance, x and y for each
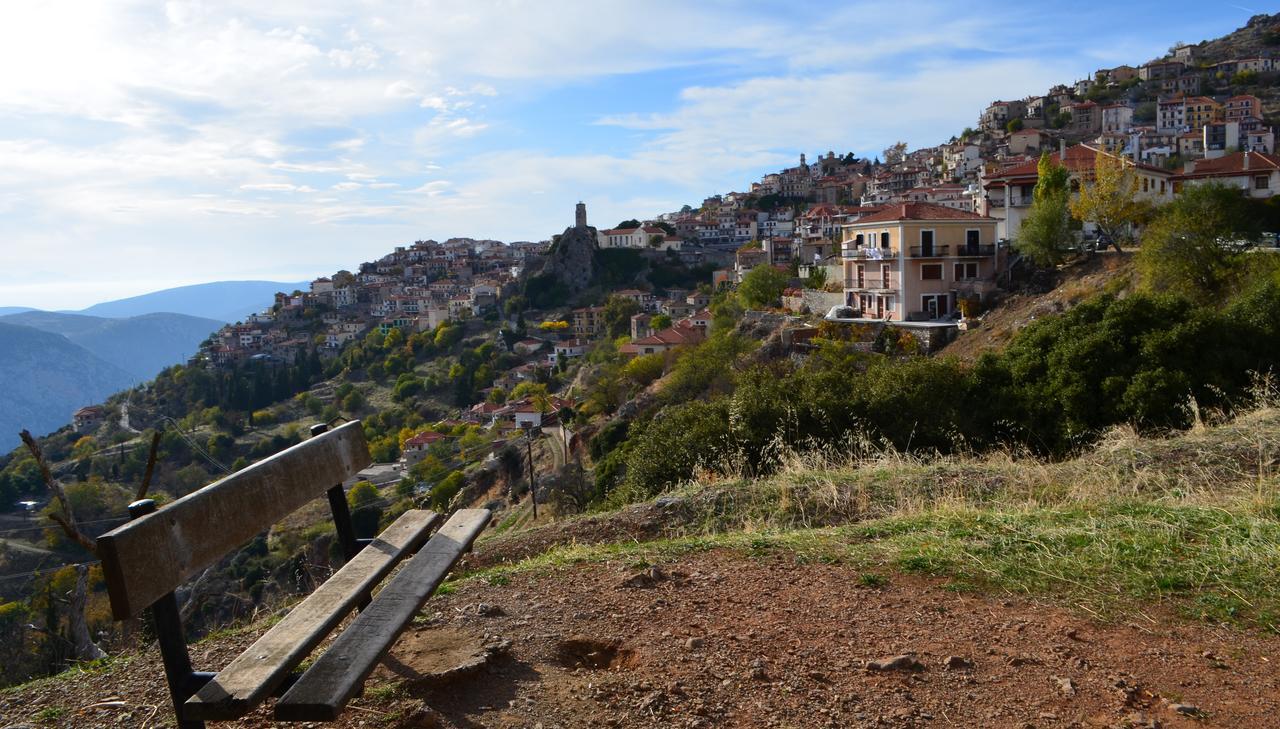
(812, 301)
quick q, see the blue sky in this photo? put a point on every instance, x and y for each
(145, 145)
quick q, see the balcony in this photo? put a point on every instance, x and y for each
(930, 251)
(869, 254)
(869, 283)
(985, 249)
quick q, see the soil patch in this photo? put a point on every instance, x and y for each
(759, 641)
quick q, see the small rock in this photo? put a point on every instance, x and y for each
(818, 676)
(644, 579)
(694, 644)
(485, 610)
(1065, 686)
(896, 663)
(957, 663)
(1185, 709)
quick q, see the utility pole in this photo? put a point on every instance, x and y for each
(533, 486)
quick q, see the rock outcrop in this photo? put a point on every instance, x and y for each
(571, 260)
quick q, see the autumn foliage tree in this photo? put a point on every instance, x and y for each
(1110, 199)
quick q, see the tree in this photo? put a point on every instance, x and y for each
(1194, 245)
(895, 153)
(633, 223)
(617, 314)
(762, 286)
(1047, 228)
(660, 322)
(1110, 199)
(1014, 125)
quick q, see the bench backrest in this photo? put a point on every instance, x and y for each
(149, 557)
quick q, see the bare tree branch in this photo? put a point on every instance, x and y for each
(151, 465)
(66, 519)
(85, 648)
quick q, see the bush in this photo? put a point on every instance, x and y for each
(644, 369)
(674, 445)
(442, 494)
(364, 499)
(762, 287)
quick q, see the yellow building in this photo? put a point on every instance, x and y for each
(916, 261)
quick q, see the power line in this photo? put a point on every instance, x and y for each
(46, 571)
(53, 525)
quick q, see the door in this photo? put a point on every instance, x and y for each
(935, 305)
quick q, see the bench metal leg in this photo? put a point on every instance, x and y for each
(183, 681)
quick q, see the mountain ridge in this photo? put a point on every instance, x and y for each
(45, 377)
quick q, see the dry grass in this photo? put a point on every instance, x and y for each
(1212, 464)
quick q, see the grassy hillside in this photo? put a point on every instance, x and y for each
(1191, 521)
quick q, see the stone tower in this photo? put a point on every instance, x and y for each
(580, 216)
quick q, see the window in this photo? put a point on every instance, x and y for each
(931, 272)
(1261, 182)
(926, 242)
(966, 271)
(972, 238)
(857, 240)
(884, 239)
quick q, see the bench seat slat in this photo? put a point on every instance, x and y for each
(250, 678)
(336, 676)
(151, 556)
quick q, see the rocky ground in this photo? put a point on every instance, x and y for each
(726, 639)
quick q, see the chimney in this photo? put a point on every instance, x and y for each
(1246, 161)
(1062, 149)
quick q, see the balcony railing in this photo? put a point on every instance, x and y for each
(871, 254)
(985, 249)
(929, 251)
(873, 283)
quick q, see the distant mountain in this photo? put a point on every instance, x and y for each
(139, 345)
(14, 309)
(44, 378)
(226, 301)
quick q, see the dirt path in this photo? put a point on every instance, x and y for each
(723, 640)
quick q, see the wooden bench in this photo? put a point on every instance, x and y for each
(145, 560)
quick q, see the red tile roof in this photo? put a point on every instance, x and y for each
(1079, 158)
(682, 333)
(1231, 165)
(422, 439)
(919, 211)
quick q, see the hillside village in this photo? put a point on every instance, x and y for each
(1192, 116)
(506, 374)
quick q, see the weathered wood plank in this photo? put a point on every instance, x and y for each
(257, 672)
(149, 557)
(336, 676)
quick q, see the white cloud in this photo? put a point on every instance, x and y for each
(122, 119)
